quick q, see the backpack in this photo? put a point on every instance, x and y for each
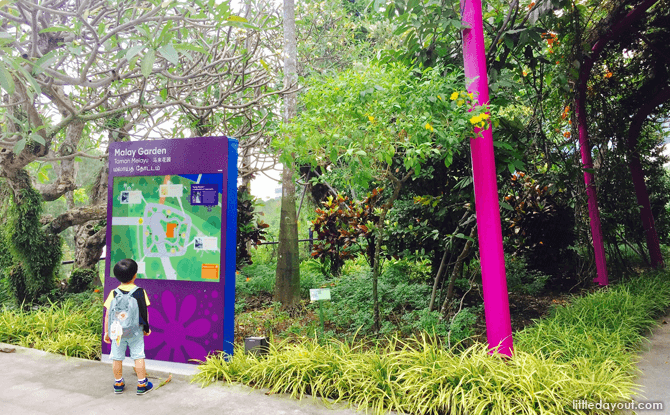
(124, 316)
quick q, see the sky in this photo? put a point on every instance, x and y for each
(264, 187)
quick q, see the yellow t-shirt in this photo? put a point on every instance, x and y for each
(126, 288)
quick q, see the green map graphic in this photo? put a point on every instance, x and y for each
(154, 223)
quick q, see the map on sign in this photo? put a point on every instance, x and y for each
(170, 225)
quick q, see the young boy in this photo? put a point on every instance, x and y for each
(126, 272)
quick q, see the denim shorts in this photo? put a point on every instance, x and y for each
(135, 343)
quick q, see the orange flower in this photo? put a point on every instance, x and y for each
(566, 134)
(608, 75)
(248, 279)
(557, 62)
(97, 290)
(530, 6)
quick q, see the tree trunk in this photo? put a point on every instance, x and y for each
(458, 269)
(377, 262)
(635, 166)
(89, 238)
(487, 207)
(587, 62)
(438, 278)
(443, 263)
(287, 279)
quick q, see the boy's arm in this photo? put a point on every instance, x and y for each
(106, 338)
(144, 314)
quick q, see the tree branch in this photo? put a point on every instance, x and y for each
(76, 216)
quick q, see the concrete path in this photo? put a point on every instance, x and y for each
(35, 382)
(654, 366)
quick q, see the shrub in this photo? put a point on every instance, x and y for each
(80, 280)
(71, 327)
(523, 279)
(255, 279)
(351, 305)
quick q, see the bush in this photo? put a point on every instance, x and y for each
(351, 305)
(523, 279)
(71, 327)
(80, 280)
(255, 279)
(5, 291)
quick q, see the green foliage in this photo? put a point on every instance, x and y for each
(521, 278)
(250, 230)
(80, 280)
(5, 290)
(344, 228)
(35, 255)
(361, 119)
(606, 326)
(540, 225)
(70, 327)
(351, 294)
(583, 351)
(424, 321)
(255, 279)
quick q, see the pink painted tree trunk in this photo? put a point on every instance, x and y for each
(494, 282)
(638, 175)
(584, 146)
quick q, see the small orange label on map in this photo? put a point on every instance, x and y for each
(210, 272)
(170, 230)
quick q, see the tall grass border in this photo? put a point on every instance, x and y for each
(585, 350)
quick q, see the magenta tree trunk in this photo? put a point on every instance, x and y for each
(638, 175)
(584, 146)
(494, 282)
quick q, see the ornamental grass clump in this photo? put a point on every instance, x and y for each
(583, 351)
(70, 328)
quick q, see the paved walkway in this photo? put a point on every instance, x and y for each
(654, 366)
(35, 382)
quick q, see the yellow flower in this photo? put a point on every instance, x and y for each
(371, 118)
(453, 96)
(429, 127)
(470, 95)
(485, 116)
(439, 97)
(460, 102)
(475, 119)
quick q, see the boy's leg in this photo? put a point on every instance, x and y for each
(117, 354)
(117, 367)
(140, 369)
(136, 344)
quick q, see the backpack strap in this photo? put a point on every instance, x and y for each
(119, 292)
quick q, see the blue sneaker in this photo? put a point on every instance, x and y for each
(119, 386)
(144, 386)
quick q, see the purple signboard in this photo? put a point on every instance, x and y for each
(172, 207)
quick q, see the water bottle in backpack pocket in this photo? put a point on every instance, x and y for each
(124, 316)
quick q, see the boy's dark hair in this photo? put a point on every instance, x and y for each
(125, 270)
